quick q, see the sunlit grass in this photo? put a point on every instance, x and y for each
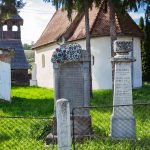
(29, 134)
(26, 133)
(101, 122)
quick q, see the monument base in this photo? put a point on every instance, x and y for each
(81, 125)
(80, 128)
(33, 82)
(123, 127)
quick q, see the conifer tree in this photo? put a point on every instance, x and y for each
(9, 8)
(146, 51)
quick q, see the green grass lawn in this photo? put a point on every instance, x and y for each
(28, 134)
(29, 101)
(101, 122)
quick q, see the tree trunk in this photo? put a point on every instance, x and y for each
(88, 43)
(113, 34)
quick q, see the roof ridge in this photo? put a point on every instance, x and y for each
(73, 25)
(101, 6)
(59, 26)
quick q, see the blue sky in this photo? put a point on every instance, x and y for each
(36, 15)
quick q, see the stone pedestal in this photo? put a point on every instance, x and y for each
(63, 124)
(33, 81)
(122, 121)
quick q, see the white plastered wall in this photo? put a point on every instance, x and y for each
(45, 74)
(101, 70)
(5, 81)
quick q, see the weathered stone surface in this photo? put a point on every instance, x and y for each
(72, 83)
(123, 46)
(5, 74)
(123, 127)
(122, 122)
(63, 124)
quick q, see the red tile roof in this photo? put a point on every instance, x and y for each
(99, 26)
(55, 28)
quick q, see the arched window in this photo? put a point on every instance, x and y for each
(14, 28)
(43, 60)
(5, 28)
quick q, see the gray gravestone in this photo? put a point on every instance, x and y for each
(72, 83)
(122, 121)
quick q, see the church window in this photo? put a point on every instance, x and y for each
(43, 60)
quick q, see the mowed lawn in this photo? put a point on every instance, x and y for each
(33, 103)
(34, 106)
(29, 101)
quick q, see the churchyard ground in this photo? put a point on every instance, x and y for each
(33, 102)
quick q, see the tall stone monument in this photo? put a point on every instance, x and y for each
(71, 73)
(122, 121)
(5, 73)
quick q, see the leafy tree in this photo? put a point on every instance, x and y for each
(9, 8)
(27, 46)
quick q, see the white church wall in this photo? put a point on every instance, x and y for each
(45, 73)
(101, 70)
(137, 65)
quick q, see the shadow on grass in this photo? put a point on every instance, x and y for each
(4, 137)
(144, 143)
(28, 107)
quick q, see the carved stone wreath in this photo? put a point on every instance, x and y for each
(123, 46)
(66, 53)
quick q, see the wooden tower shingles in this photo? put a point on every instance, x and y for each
(10, 37)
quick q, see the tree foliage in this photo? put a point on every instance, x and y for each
(145, 46)
(27, 46)
(141, 23)
(120, 5)
(9, 8)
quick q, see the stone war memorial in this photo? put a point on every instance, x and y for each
(5, 73)
(71, 73)
(123, 122)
